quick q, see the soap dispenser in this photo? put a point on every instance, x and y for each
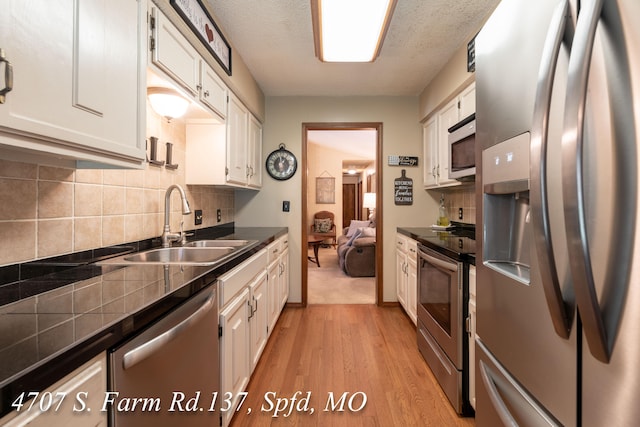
(443, 220)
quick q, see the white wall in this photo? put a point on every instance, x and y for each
(401, 135)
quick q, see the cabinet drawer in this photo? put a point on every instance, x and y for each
(234, 281)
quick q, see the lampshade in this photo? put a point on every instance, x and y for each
(350, 30)
(369, 201)
(167, 102)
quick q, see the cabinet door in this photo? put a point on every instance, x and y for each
(259, 317)
(213, 92)
(284, 277)
(88, 383)
(273, 281)
(401, 278)
(447, 117)
(172, 53)
(234, 351)
(468, 101)
(237, 122)
(76, 73)
(472, 336)
(430, 147)
(255, 152)
(412, 282)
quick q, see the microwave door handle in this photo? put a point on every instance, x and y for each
(561, 315)
(573, 190)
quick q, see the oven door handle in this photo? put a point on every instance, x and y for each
(438, 262)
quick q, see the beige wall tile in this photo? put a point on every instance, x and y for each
(18, 241)
(87, 233)
(133, 200)
(55, 199)
(133, 228)
(113, 230)
(113, 200)
(87, 200)
(55, 237)
(18, 199)
(18, 170)
(153, 201)
(89, 176)
(50, 173)
(113, 177)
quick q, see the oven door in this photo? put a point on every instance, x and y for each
(440, 301)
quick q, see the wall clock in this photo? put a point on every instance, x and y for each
(281, 164)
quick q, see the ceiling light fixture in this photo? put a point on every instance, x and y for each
(167, 102)
(350, 30)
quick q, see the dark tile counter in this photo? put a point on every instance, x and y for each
(456, 244)
(47, 335)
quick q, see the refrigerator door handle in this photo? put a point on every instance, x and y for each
(573, 186)
(560, 29)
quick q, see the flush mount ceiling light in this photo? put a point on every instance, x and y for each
(167, 102)
(350, 30)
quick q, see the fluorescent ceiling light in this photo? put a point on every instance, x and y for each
(350, 30)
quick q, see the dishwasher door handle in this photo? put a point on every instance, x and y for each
(138, 354)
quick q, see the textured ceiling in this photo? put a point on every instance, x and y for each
(275, 40)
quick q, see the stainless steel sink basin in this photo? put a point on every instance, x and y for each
(219, 243)
(180, 255)
(199, 252)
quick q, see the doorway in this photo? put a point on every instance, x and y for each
(309, 180)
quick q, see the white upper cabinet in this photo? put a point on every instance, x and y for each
(435, 137)
(237, 148)
(174, 56)
(254, 143)
(78, 82)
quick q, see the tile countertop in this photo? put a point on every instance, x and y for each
(48, 335)
(459, 245)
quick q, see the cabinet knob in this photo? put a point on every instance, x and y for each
(206, 93)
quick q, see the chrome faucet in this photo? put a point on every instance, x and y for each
(167, 235)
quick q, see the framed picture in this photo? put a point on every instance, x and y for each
(196, 16)
(325, 190)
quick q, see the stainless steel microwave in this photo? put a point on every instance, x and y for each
(462, 152)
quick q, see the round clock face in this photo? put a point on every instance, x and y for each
(281, 164)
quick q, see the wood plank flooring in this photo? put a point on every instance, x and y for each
(358, 349)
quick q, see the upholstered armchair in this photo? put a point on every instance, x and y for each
(324, 226)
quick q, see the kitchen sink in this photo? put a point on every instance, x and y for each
(199, 252)
(219, 243)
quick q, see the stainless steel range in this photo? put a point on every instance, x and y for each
(443, 297)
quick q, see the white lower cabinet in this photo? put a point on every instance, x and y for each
(234, 351)
(251, 300)
(412, 280)
(87, 383)
(258, 317)
(284, 276)
(407, 275)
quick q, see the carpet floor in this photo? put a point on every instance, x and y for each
(328, 284)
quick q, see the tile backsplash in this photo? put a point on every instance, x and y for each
(464, 198)
(47, 211)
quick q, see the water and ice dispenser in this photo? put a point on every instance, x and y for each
(507, 225)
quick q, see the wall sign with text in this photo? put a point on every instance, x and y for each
(196, 16)
(403, 190)
(403, 161)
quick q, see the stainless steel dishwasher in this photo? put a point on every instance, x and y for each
(169, 375)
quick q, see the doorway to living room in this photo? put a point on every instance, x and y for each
(341, 216)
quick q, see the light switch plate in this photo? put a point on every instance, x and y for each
(285, 206)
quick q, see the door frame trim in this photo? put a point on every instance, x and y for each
(377, 126)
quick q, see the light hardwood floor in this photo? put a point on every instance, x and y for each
(358, 349)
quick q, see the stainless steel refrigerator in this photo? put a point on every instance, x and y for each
(558, 293)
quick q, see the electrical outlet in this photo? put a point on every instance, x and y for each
(218, 215)
(460, 216)
(198, 216)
